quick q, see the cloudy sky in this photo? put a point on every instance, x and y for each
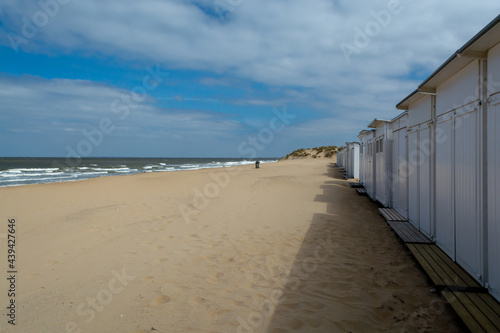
(214, 78)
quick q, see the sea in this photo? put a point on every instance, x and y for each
(23, 171)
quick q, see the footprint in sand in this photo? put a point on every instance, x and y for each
(197, 300)
(52, 262)
(215, 278)
(147, 279)
(159, 261)
(163, 299)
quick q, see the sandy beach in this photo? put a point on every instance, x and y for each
(289, 247)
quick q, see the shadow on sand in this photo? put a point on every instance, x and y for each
(350, 273)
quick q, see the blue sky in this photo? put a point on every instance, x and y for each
(214, 78)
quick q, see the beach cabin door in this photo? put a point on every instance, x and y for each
(370, 168)
(400, 172)
(467, 220)
(413, 185)
(419, 205)
(425, 149)
(381, 193)
(362, 161)
(445, 205)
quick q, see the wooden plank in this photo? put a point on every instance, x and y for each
(491, 302)
(391, 214)
(361, 191)
(419, 237)
(462, 312)
(405, 233)
(439, 264)
(478, 310)
(488, 311)
(408, 233)
(466, 278)
(355, 185)
(476, 313)
(415, 250)
(436, 264)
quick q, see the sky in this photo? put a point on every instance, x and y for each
(214, 78)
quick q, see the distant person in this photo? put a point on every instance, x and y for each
(257, 164)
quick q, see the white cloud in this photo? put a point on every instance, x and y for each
(59, 110)
(293, 45)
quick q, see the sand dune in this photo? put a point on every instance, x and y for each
(285, 248)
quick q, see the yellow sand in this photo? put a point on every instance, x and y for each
(288, 247)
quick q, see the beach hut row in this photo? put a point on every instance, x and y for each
(348, 158)
(438, 162)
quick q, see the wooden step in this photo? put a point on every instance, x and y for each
(408, 233)
(391, 214)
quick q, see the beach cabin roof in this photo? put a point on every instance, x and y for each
(399, 116)
(476, 48)
(365, 132)
(377, 122)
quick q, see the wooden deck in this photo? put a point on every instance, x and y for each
(408, 233)
(355, 185)
(391, 215)
(478, 309)
(361, 191)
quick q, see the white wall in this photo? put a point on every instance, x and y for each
(461, 89)
(420, 111)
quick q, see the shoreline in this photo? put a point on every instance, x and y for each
(25, 171)
(288, 247)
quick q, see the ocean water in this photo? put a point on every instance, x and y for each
(23, 171)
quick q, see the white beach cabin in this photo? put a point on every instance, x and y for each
(383, 162)
(341, 157)
(363, 152)
(368, 171)
(352, 149)
(421, 153)
(457, 110)
(399, 176)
